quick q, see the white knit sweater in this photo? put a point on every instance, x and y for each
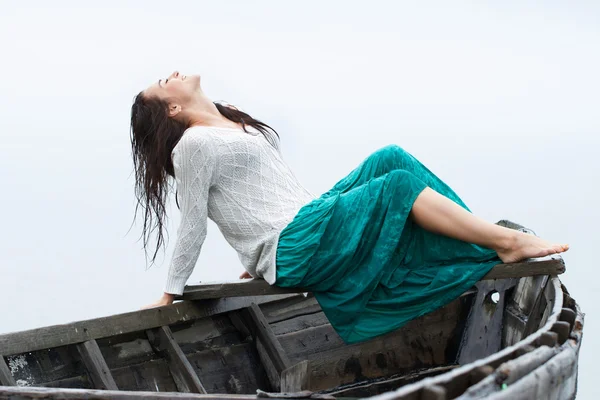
(240, 181)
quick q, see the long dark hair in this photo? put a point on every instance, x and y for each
(153, 137)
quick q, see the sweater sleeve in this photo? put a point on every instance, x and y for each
(194, 160)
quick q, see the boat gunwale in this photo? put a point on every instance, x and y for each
(513, 352)
(509, 351)
(14, 343)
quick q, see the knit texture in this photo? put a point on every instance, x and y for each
(240, 181)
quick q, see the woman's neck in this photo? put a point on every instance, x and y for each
(203, 112)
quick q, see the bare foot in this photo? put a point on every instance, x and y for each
(528, 246)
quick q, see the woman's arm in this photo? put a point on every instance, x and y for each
(194, 163)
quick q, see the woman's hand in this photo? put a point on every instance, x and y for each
(165, 300)
(245, 275)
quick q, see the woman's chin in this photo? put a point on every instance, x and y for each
(193, 80)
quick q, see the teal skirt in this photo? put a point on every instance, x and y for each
(371, 267)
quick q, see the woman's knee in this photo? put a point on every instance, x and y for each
(392, 155)
(402, 183)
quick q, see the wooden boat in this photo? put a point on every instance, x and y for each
(516, 335)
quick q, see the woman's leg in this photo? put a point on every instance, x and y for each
(392, 158)
(438, 214)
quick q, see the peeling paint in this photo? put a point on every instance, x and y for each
(234, 385)
(17, 362)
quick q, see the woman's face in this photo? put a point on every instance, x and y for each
(177, 87)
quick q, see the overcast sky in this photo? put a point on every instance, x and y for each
(499, 99)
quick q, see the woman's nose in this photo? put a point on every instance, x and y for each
(175, 74)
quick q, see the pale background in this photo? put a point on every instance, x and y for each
(500, 99)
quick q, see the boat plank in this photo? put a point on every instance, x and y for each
(263, 330)
(301, 344)
(127, 349)
(299, 323)
(268, 347)
(373, 388)
(459, 380)
(96, 365)
(6, 378)
(81, 331)
(38, 368)
(75, 382)
(550, 265)
(290, 308)
(524, 310)
(233, 369)
(239, 288)
(238, 322)
(184, 375)
(483, 335)
(153, 375)
(35, 393)
(206, 333)
(296, 378)
(271, 372)
(427, 341)
(509, 372)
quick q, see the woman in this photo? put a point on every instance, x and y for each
(388, 243)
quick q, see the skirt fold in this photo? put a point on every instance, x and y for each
(370, 267)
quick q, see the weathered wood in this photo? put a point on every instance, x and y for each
(568, 315)
(240, 325)
(433, 392)
(184, 375)
(549, 265)
(290, 308)
(455, 379)
(524, 309)
(373, 387)
(548, 339)
(76, 382)
(515, 369)
(96, 365)
(299, 323)
(42, 367)
(153, 375)
(232, 369)
(480, 373)
(6, 378)
(562, 329)
(301, 344)
(296, 378)
(483, 335)
(428, 341)
(239, 288)
(553, 379)
(304, 394)
(34, 393)
(80, 331)
(509, 372)
(273, 375)
(262, 330)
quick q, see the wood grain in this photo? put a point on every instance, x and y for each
(96, 365)
(139, 320)
(296, 378)
(183, 373)
(550, 265)
(25, 393)
(262, 330)
(6, 378)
